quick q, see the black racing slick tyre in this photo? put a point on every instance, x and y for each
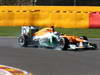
(66, 44)
(22, 41)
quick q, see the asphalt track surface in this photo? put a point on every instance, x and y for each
(50, 62)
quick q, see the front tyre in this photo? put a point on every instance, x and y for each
(66, 44)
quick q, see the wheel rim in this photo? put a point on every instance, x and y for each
(62, 43)
(21, 41)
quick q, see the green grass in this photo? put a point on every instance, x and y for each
(91, 33)
(9, 31)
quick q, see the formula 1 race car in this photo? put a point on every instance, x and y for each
(49, 38)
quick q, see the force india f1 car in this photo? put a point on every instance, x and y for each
(49, 38)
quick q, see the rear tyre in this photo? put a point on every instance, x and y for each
(66, 44)
(23, 41)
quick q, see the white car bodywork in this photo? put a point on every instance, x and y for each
(25, 29)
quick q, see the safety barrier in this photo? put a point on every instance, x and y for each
(58, 16)
(94, 20)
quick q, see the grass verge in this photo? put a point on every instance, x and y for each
(91, 33)
(9, 31)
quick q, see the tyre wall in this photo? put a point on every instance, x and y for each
(58, 16)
